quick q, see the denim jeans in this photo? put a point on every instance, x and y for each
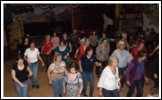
(34, 69)
(88, 76)
(22, 92)
(47, 59)
(57, 87)
(122, 72)
(110, 93)
(139, 86)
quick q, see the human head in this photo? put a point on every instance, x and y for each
(32, 45)
(47, 37)
(141, 56)
(141, 45)
(124, 35)
(54, 34)
(83, 40)
(121, 44)
(20, 60)
(57, 57)
(26, 40)
(104, 42)
(113, 61)
(94, 32)
(62, 42)
(89, 51)
(103, 35)
(87, 42)
(64, 35)
(73, 67)
(74, 31)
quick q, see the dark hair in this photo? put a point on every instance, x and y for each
(63, 41)
(32, 42)
(19, 57)
(88, 49)
(73, 65)
(103, 40)
(142, 41)
(25, 38)
(141, 54)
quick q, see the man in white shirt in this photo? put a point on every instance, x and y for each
(124, 58)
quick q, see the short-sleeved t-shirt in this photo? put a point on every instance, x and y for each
(57, 70)
(87, 63)
(21, 75)
(32, 55)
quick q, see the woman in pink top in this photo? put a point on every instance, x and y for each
(55, 40)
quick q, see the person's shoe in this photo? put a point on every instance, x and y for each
(37, 86)
(98, 75)
(33, 86)
(85, 95)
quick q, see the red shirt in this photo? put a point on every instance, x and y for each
(81, 51)
(47, 47)
(134, 52)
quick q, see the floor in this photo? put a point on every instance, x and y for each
(45, 90)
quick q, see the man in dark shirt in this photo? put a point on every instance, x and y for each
(86, 68)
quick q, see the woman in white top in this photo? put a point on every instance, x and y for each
(109, 82)
(31, 56)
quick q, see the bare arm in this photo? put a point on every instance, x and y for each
(100, 91)
(13, 74)
(25, 57)
(40, 58)
(108, 44)
(154, 50)
(42, 50)
(30, 72)
(49, 76)
(76, 53)
(50, 50)
(80, 66)
(80, 84)
(70, 47)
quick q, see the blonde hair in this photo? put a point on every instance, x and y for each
(55, 56)
(119, 43)
(112, 58)
(48, 36)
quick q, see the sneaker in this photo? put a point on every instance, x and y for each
(33, 86)
(37, 86)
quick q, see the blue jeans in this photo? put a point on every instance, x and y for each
(139, 86)
(34, 69)
(57, 87)
(122, 72)
(88, 76)
(22, 92)
(110, 93)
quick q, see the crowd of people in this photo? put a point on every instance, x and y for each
(70, 61)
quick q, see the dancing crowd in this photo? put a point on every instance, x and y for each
(70, 61)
